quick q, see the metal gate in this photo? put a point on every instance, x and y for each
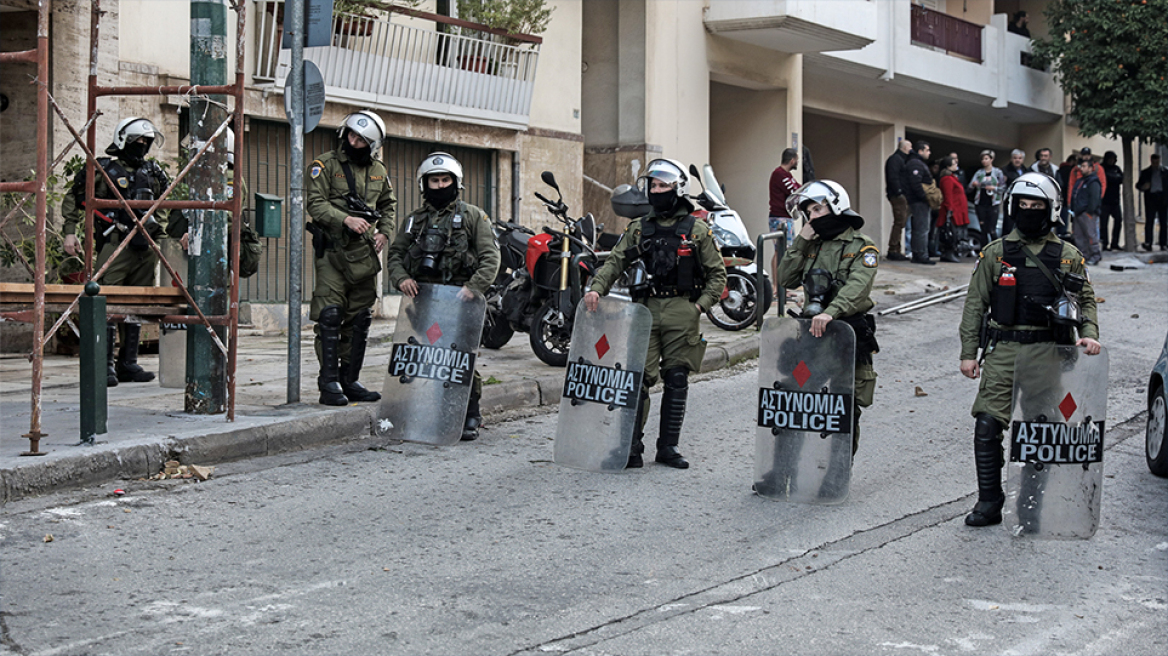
(266, 171)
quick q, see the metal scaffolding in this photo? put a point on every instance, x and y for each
(38, 187)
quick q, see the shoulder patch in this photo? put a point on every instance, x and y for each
(870, 247)
(870, 259)
(314, 172)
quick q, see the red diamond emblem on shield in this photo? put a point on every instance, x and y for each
(602, 346)
(1068, 407)
(433, 333)
(802, 373)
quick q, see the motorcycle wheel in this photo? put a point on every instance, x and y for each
(497, 330)
(549, 341)
(737, 310)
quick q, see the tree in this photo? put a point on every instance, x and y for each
(1111, 58)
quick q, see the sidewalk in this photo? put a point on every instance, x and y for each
(147, 426)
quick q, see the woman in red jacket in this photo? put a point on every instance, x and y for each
(953, 217)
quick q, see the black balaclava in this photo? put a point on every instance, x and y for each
(830, 226)
(135, 153)
(1032, 222)
(361, 156)
(440, 198)
(664, 203)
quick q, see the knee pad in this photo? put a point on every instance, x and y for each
(987, 429)
(330, 317)
(676, 378)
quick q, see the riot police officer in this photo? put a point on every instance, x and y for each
(446, 241)
(1018, 294)
(686, 278)
(352, 205)
(137, 178)
(836, 265)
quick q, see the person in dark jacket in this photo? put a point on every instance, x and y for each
(1013, 170)
(1064, 180)
(1154, 183)
(1086, 199)
(1111, 210)
(916, 176)
(894, 191)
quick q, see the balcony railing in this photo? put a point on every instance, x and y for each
(468, 72)
(946, 33)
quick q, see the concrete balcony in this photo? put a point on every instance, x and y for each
(795, 26)
(990, 70)
(405, 65)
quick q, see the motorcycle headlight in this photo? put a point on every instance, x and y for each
(725, 237)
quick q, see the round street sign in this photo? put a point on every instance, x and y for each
(313, 96)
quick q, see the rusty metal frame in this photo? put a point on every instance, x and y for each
(40, 56)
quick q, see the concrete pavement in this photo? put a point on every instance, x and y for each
(147, 426)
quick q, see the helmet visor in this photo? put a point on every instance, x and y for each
(662, 170)
(812, 192)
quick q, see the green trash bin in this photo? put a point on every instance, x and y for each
(269, 215)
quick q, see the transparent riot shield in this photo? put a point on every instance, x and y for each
(602, 386)
(431, 366)
(1054, 479)
(803, 444)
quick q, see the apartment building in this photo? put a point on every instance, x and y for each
(610, 85)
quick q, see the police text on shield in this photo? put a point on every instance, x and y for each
(813, 412)
(605, 385)
(421, 361)
(1056, 443)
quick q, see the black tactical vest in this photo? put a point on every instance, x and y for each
(670, 255)
(1033, 292)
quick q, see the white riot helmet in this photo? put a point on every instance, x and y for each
(230, 147)
(1038, 186)
(439, 163)
(367, 125)
(130, 129)
(669, 171)
(825, 192)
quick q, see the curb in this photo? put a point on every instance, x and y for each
(147, 459)
(350, 424)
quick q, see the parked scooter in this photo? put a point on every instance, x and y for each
(736, 309)
(538, 291)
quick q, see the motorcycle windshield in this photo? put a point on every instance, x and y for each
(712, 185)
(728, 228)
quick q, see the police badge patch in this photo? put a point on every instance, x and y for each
(870, 259)
(314, 171)
(123, 182)
(870, 256)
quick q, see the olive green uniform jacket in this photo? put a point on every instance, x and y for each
(134, 266)
(471, 257)
(676, 339)
(996, 388)
(852, 259)
(347, 251)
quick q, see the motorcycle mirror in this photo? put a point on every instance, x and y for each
(549, 180)
(693, 170)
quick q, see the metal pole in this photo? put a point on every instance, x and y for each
(923, 299)
(206, 376)
(935, 301)
(42, 175)
(94, 405)
(780, 239)
(295, 18)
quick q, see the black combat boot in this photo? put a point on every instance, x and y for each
(637, 451)
(987, 454)
(111, 338)
(127, 367)
(328, 382)
(351, 370)
(672, 415)
(474, 420)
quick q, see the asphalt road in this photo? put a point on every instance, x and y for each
(490, 548)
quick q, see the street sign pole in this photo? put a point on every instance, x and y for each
(295, 88)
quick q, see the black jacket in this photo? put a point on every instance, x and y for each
(916, 175)
(894, 175)
(1145, 182)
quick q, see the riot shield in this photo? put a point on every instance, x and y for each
(602, 386)
(1054, 479)
(431, 366)
(803, 444)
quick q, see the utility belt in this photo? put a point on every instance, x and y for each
(1021, 336)
(652, 291)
